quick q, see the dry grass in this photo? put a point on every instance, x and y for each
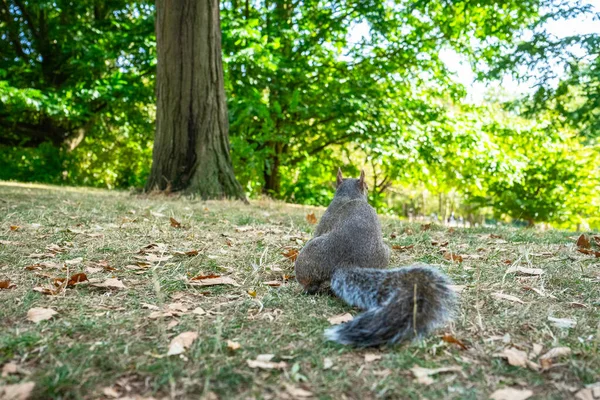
(106, 339)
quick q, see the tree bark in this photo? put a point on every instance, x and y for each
(191, 145)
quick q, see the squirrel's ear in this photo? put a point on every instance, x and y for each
(340, 177)
(361, 180)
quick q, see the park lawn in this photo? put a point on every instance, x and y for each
(105, 343)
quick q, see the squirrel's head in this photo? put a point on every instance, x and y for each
(350, 187)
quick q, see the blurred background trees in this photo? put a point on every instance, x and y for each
(316, 84)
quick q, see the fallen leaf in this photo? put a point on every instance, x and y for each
(297, 392)
(457, 288)
(154, 257)
(290, 253)
(273, 283)
(110, 392)
(397, 247)
(439, 243)
(15, 228)
(266, 364)
(73, 279)
(453, 257)
(423, 375)
(425, 227)
(508, 297)
(537, 349)
(340, 319)
(494, 236)
(9, 369)
(6, 284)
(38, 314)
(370, 357)
(181, 342)
(110, 283)
(588, 394)
(231, 345)
(212, 280)
(172, 324)
(511, 394)
(514, 357)
(589, 252)
(175, 223)
(575, 304)
(555, 353)
(583, 242)
(327, 363)
(93, 270)
(19, 391)
(448, 338)
(198, 311)
(251, 293)
(538, 291)
(525, 271)
(150, 306)
(189, 253)
(311, 219)
(265, 357)
(74, 261)
(564, 323)
(10, 243)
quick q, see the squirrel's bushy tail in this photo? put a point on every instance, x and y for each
(400, 303)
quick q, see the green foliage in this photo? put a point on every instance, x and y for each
(307, 94)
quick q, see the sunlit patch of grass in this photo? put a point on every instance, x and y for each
(103, 338)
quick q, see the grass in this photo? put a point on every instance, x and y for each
(106, 339)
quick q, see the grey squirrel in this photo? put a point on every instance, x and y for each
(348, 256)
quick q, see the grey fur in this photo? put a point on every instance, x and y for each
(347, 253)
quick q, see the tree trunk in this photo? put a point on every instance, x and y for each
(272, 177)
(191, 145)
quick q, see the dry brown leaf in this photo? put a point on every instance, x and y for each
(296, 392)
(453, 257)
(508, 297)
(110, 392)
(583, 242)
(576, 304)
(175, 223)
(172, 324)
(261, 364)
(458, 288)
(370, 357)
(15, 228)
(525, 271)
(111, 283)
(181, 342)
(425, 227)
(589, 252)
(93, 270)
(555, 353)
(514, 357)
(340, 319)
(273, 283)
(563, 323)
(19, 391)
(423, 375)
(231, 345)
(588, 394)
(74, 261)
(439, 243)
(10, 243)
(73, 279)
(448, 338)
(9, 369)
(6, 284)
(290, 253)
(212, 280)
(150, 306)
(311, 218)
(511, 394)
(397, 247)
(38, 314)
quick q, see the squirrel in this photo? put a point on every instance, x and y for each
(348, 257)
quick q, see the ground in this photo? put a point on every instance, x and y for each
(522, 293)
